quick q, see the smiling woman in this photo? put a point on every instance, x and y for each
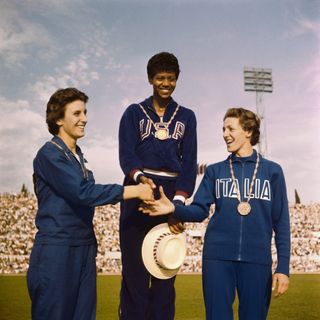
(249, 194)
(62, 270)
(73, 123)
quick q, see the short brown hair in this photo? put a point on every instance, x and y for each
(56, 106)
(248, 120)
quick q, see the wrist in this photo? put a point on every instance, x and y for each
(135, 175)
(141, 178)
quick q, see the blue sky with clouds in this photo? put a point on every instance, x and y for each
(102, 48)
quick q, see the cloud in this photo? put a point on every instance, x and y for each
(22, 132)
(18, 34)
(102, 155)
(303, 26)
(76, 73)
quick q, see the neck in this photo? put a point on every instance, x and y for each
(245, 152)
(160, 104)
(70, 142)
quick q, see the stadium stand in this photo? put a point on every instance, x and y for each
(17, 230)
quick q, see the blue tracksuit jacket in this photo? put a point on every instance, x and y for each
(229, 235)
(139, 149)
(67, 195)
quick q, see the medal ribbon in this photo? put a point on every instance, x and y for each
(165, 124)
(252, 180)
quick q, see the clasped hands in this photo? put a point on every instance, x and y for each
(162, 206)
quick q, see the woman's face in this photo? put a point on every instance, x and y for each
(237, 140)
(74, 121)
(163, 84)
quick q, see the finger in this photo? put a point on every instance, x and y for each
(173, 229)
(176, 228)
(282, 288)
(146, 205)
(151, 183)
(143, 205)
(179, 226)
(274, 282)
(144, 211)
(147, 202)
(162, 194)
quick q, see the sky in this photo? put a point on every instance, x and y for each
(102, 48)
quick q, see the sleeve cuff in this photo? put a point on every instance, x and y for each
(177, 213)
(283, 265)
(179, 198)
(135, 175)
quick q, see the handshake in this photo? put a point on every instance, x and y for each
(162, 206)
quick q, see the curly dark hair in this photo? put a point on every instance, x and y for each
(163, 62)
(56, 106)
(248, 120)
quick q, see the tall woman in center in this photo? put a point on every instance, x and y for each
(157, 146)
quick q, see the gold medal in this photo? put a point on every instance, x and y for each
(244, 208)
(162, 134)
(161, 128)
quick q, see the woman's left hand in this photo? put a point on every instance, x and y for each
(159, 207)
(280, 284)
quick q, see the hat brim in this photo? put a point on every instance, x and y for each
(147, 252)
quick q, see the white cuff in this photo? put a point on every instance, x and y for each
(179, 198)
(136, 174)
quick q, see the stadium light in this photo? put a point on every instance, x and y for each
(260, 81)
(257, 79)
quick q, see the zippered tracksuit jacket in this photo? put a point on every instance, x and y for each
(236, 246)
(62, 271)
(171, 163)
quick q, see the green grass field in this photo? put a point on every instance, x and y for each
(301, 302)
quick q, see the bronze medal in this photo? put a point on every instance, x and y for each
(244, 208)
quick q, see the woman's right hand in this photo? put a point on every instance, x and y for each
(149, 181)
(145, 192)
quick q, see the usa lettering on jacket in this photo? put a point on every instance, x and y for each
(146, 130)
(226, 188)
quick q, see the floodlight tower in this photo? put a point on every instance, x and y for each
(260, 81)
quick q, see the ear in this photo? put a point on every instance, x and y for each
(150, 80)
(248, 134)
(59, 122)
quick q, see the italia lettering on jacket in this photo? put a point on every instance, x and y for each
(226, 188)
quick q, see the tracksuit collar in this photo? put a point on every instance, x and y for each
(148, 104)
(60, 142)
(251, 158)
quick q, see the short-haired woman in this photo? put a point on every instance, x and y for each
(249, 194)
(62, 271)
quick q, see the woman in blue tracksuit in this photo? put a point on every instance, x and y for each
(62, 271)
(157, 146)
(250, 200)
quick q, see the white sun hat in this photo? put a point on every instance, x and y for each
(163, 252)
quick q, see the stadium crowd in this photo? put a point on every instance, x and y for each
(17, 230)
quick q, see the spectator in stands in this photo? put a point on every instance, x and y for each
(62, 273)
